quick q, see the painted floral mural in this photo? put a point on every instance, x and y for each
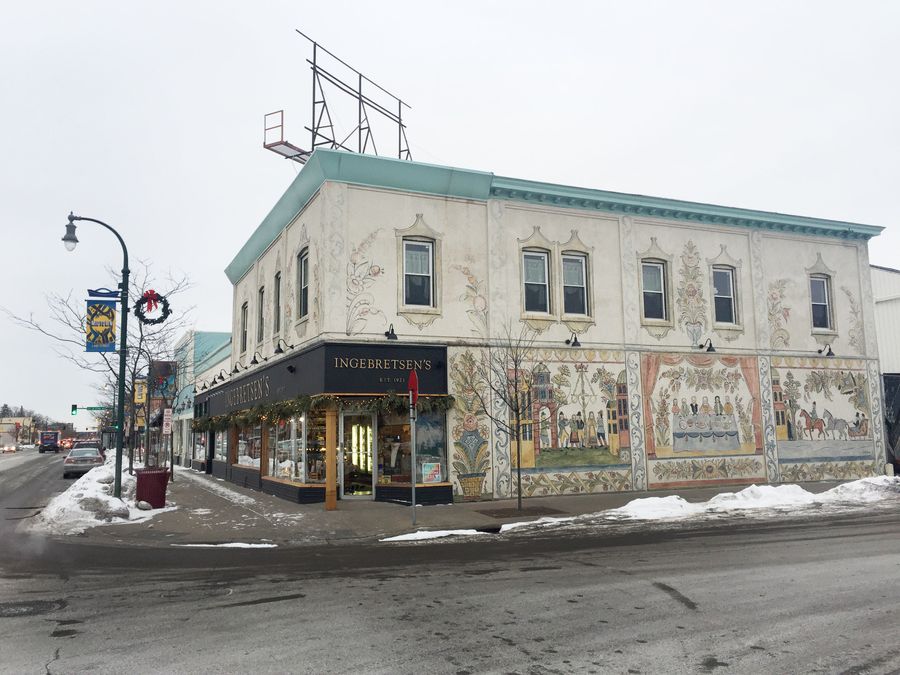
(361, 274)
(475, 298)
(692, 306)
(778, 314)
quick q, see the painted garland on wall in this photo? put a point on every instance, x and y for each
(284, 410)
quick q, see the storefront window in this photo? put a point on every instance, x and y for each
(431, 448)
(315, 446)
(249, 446)
(282, 460)
(395, 458)
(221, 448)
(199, 445)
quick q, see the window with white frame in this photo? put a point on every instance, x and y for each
(303, 284)
(260, 314)
(276, 302)
(653, 287)
(724, 295)
(574, 272)
(820, 297)
(244, 309)
(418, 273)
(536, 276)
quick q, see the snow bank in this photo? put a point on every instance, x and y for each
(89, 502)
(433, 534)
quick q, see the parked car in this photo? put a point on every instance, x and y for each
(81, 460)
(90, 444)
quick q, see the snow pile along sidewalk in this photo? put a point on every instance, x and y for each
(89, 502)
(760, 497)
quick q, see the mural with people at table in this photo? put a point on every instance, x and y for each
(702, 416)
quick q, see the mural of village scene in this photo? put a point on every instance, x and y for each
(576, 436)
(822, 418)
(703, 419)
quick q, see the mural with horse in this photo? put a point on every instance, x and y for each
(822, 410)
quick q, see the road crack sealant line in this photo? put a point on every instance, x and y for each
(220, 493)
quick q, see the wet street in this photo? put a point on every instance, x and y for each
(739, 596)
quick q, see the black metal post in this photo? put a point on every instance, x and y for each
(123, 349)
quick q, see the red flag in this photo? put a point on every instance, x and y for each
(414, 386)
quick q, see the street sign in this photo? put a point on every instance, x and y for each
(98, 407)
(167, 421)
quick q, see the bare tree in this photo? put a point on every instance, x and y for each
(65, 329)
(504, 380)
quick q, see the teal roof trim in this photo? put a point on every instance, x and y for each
(383, 172)
(674, 209)
(206, 342)
(222, 353)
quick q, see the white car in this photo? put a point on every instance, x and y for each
(81, 460)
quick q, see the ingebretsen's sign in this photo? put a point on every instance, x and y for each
(378, 369)
(335, 368)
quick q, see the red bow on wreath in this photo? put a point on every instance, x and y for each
(152, 299)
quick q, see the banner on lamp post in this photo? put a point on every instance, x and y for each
(100, 326)
(140, 390)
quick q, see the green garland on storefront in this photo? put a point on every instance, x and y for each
(391, 402)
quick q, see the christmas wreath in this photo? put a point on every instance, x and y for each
(151, 300)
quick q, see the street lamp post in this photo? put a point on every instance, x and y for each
(70, 240)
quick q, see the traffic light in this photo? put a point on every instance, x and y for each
(74, 408)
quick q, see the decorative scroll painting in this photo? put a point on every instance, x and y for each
(823, 418)
(702, 419)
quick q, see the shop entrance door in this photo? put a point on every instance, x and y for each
(358, 452)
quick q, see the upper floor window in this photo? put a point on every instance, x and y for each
(724, 295)
(418, 273)
(260, 314)
(536, 275)
(653, 286)
(574, 269)
(276, 301)
(244, 309)
(303, 283)
(820, 296)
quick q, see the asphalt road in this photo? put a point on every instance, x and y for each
(738, 596)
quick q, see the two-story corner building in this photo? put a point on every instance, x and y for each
(196, 354)
(678, 344)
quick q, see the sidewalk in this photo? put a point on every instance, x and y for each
(212, 511)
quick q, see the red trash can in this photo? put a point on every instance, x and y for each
(151, 486)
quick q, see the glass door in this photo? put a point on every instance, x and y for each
(357, 457)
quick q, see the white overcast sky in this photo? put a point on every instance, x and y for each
(149, 116)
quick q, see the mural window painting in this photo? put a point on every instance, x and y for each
(303, 284)
(821, 302)
(653, 285)
(723, 295)
(575, 284)
(536, 274)
(418, 273)
(276, 301)
(260, 314)
(244, 309)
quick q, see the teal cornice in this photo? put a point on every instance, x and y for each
(395, 174)
(514, 189)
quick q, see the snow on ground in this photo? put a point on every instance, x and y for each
(88, 502)
(221, 490)
(233, 544)
(435, 534)
(761, 500)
